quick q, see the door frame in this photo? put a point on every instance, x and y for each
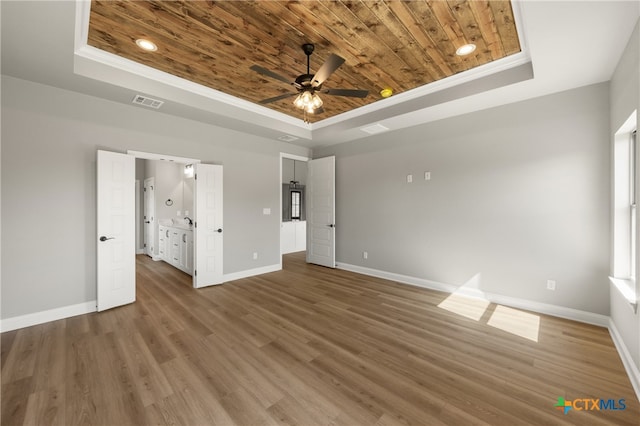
(146, 238)
(284, 155)
(174, 159)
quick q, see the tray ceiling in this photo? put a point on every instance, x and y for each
(398, 44)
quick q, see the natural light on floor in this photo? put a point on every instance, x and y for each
(471, 302)
(468, 307)
(516, 322)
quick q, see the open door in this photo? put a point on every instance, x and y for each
(321, 229)
(208, 225)
(116, 263)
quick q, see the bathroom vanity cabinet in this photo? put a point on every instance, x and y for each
(175, 246)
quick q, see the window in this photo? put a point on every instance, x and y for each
(632, 204)
(295, 205)
(625, 195)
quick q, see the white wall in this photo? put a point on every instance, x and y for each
(625, 98)
(49, 142)
(518, 195)
(288, 172)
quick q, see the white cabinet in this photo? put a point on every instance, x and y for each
(163, 242)
(186, 251)
(175, 247)
(293, 237)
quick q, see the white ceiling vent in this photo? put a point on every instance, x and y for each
(287, 138)
(376, 128)
(148, 102)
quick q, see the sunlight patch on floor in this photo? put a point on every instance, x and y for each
(516, 322)
(468, 307)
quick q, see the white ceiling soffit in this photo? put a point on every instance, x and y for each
(245, 116)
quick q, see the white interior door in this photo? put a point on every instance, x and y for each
(321, 229)
(116, 261)
(208, 225)
(149, 216)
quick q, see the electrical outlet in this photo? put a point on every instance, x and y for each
(427, 175)
(365, 255)
(551, 285)
(255, 255)
(409, 178)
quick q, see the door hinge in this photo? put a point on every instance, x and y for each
(195, 177)
(195, 272)
(145, 245)
(195, 224)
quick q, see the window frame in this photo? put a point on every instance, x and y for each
(296, 206)
(624, 211)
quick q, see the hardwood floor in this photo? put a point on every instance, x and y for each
(308, 346)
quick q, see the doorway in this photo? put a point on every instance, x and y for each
(117, 225)
(188, 209)
(293, 206)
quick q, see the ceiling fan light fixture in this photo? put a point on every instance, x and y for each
(308, 101)
(147, 45)
(465, 49)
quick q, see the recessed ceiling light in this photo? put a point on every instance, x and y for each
(466, 49)
(147, 45)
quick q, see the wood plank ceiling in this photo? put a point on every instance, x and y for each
(396, 44)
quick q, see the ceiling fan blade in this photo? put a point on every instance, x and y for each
(276, 98)
(352, 93)
(271, 74)
(332, 63)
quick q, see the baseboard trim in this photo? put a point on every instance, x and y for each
(541, 308)
(251, 272)
(140, 251)
(625, 356)
(22, 321)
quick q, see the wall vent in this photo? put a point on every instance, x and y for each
(148, 102)
(287, 138)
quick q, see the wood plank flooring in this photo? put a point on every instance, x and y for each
(307, 346)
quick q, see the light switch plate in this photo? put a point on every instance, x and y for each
(266, 211)
(409, 178)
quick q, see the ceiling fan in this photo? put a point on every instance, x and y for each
(308, 85)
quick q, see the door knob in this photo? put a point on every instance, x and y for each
(103, 238)
(146, 221)
(331, 225)
(219, 230)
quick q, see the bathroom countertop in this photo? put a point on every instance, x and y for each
(171, 224)
(181, 226)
